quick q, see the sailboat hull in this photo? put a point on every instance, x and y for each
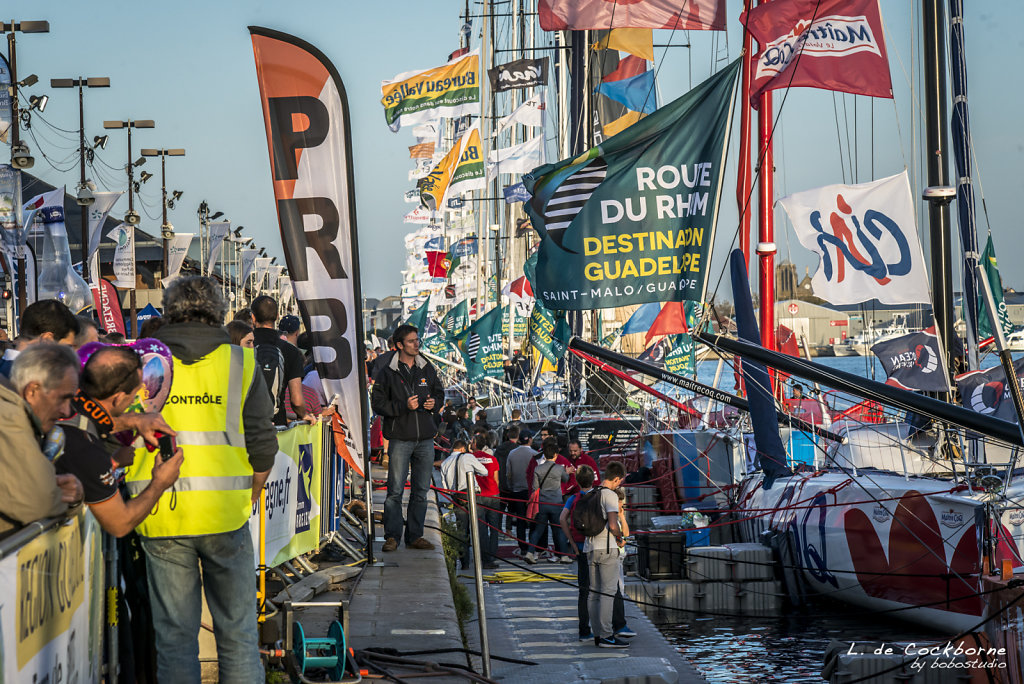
(908, 546)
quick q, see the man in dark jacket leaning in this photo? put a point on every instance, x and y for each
(408, 394)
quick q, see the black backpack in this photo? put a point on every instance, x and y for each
(588, 517)
(271, 361)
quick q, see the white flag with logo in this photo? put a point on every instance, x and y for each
(248, 261)
(124, 255)
(285, 291)
(98, 212)
(218, 231)
(177, 250)
(530, 113)
(516, 159)
(866, 240)
(262, 266)
(275, 277)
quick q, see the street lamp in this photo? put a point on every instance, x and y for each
(166, 229)
(132, 216)
(21, 157)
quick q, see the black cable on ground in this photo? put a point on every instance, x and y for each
(439, 651)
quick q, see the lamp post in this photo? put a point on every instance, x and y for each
(85, 197)
(132, 216)
(166, 229)
(20, 154)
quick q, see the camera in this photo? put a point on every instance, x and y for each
(167, 446)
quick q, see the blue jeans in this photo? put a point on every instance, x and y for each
(229, 581)
(548, 515)
(488, 510)
(403, 454)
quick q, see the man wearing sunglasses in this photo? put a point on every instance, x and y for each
(408, 394)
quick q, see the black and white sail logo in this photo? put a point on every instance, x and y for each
(522, 73)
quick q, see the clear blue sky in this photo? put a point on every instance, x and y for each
(189, 66)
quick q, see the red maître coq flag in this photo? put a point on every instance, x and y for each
(308, 132)
(829, 44)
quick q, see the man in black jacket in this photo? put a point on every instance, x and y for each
(408, 394)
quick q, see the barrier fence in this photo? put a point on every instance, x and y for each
(54, 607)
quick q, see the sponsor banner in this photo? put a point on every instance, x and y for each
(291, 496)
(679, 358)
(420, 215)
(8, 192)
(217, 233)
(124, 255)
(422, 150)
(620, 224)
(262, 266)
(515, 193)
(456, 203)
(866, 238)
(481, 346)
(519, 325)
(548, 334)
(6, 111)
(522, 73)
(108, 307)
(521, 158)
(52, 609)
(464, 247)
(418, 318)
(436, 345)
(248, 258)
(530, 113)
(99, 210)
(685, 15)
(411, 197)
(416, 97)
(313, 184)
(456, 320)
(988, 391)
(421, 167)
(461, 170)
(995, 283)
(913, 362)
(841, 49)
(177, 250)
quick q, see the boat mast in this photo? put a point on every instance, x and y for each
(578, 144)
(936, 135)
(766, 222)
(743, 172)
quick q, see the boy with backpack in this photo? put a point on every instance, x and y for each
(585, 477)
(596, 517)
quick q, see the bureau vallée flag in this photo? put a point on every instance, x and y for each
(681, 15)
(305, 109)
(829, 44)
(450, 90)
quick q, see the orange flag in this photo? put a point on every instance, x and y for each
(341, 444)
(670, 321)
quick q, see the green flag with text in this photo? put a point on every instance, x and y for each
(988, 262)
(481, 347)
(632, 220)
(418, 318)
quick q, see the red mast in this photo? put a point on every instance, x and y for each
(766, 224)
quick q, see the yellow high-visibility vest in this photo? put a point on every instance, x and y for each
(214, 491)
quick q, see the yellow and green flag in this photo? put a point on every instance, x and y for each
(461, 170)
(418, 96)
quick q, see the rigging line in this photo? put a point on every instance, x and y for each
(771, 136)
(46, 157)
(849, 147)
(839, 137)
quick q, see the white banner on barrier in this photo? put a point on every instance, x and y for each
(281, 502)
(51, 611)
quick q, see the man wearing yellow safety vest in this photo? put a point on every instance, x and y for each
(197, 537)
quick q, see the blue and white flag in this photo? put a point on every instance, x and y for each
(988, 392)
(914, 362)
(866, 238)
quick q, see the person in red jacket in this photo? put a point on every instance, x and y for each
(577, 459)
(488, 504)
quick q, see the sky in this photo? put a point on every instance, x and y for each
(189, 66)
